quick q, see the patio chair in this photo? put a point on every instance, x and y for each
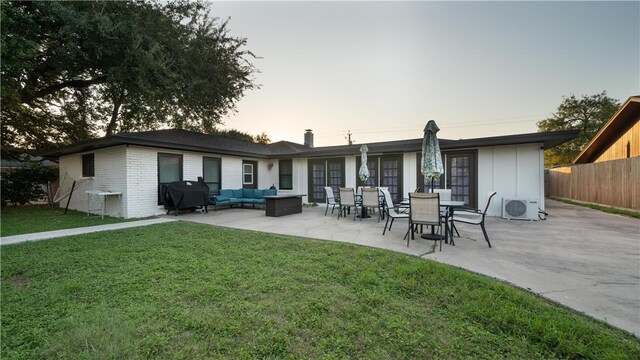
(445, 195)
(390, 211)
(331, 200)
(347, 201)
(475, 216)
(425, 210)
(371, 200)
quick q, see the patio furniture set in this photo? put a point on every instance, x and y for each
(195, 195)
(434, 209)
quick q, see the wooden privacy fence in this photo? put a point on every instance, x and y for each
(614, 183)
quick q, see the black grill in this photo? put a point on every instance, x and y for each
(185, 195)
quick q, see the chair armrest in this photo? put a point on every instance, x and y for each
(467, 209)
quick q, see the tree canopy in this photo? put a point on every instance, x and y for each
(587, 114)
(72, 70)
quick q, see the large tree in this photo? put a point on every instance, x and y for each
(587, 114)
(73, 70)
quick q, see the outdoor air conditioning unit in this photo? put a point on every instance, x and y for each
(520, 209)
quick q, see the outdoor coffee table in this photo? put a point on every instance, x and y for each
(283, 204)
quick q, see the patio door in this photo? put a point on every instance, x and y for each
(325, 172)
(373, 165)
(462, 177)
(391, 175)
(384, 170)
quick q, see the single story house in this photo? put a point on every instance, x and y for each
(137, 164)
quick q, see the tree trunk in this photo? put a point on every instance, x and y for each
(114, 115)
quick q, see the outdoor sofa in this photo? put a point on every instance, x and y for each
(230, 197)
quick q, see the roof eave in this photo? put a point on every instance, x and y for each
(612, 126)
(113, 141)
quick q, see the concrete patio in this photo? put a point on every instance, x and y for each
(581, 258)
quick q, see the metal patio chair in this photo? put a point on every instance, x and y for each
(390, 211)
(331, 200)
(474, 216)
(425, 210)
(348, 201)
(371, 200)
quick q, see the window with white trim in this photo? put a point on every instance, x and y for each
(247, 174)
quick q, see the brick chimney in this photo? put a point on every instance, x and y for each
(308, 138)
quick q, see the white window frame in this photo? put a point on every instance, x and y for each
(244, 173)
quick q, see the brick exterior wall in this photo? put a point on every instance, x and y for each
(109, 175)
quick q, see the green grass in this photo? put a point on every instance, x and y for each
(31, 219)
(607, 209)
(182, 290)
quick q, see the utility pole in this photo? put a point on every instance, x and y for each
(348, 137)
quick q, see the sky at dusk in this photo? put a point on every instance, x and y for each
(383, 69)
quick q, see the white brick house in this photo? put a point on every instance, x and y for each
(134, 163)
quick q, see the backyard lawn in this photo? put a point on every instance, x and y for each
(183, 290)
(31, 219)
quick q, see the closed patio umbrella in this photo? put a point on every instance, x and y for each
(363, 173)
(431, 164)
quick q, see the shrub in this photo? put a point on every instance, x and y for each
(23, 185)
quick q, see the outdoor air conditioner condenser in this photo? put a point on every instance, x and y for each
(520, 209)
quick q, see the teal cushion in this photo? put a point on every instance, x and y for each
(235, 201)
(258, 193)
(259, 201)
(237, 193)
(221, 198)
(226, 192)
(270, 192)
(247, 193)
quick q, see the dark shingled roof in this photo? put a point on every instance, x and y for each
(187, 140)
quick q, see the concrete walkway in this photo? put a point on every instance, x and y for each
(16, 239)
(582, 258)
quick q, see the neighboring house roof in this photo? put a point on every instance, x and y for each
(623, 119)
(193, 141)
(11, 163)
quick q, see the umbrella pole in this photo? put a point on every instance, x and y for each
(432, 184)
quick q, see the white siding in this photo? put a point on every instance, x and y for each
(409, 173)
(350, 171)
(514, 171)
(268, 177)
(300, 178)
